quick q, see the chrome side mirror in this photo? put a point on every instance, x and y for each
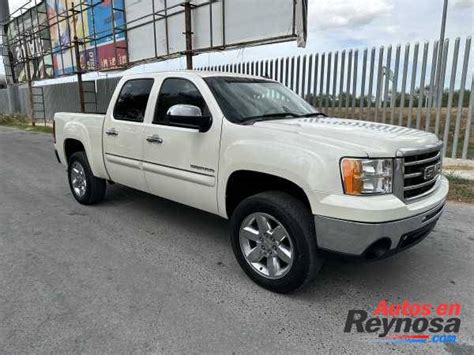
(184, 111)
(188, 116)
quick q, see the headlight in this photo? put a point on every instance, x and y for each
(367, 176)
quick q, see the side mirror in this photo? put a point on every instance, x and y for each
(189, 116)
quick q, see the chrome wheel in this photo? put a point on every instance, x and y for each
(78, 179)
(266, 245)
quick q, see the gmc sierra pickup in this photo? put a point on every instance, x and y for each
(295, 184)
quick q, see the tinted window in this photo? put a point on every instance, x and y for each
(246, 99)
(132, 101)
(174, 92)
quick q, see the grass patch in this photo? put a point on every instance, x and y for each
(22, 122)
(460, 189)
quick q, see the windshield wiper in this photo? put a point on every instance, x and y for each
(269, 116)
(313, 114)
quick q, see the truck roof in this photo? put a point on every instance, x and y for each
(200, 73)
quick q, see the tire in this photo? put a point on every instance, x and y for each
(299, 240)
(90, 192)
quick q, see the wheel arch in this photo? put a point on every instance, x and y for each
(244, 183)
(71, 146)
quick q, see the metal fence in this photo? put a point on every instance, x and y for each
(402, 85)
(405, 86)
(64, 97)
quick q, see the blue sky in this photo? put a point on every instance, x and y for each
(338, 24)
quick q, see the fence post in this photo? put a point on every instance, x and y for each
(404, 83)
(298, 72)
(378, 93)
(395, 85)
(467, 133)
(421, 94)
(341, 82)
(328, 81)
(371, 81)
(429, 104)
(467, 50)
(315, 81)
(354, 83)
(413, 83)
(348, 82)
(334, 83)
(321, 82)
(303, 78)
(447, 124)
(310, 76)
(387, 82)
(441, 86)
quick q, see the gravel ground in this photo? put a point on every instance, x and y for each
(141, 274)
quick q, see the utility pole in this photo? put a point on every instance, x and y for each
(439, 90)
(189, 34)
(78, 60)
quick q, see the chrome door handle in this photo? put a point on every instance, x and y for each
(154, 139)
(111, 132)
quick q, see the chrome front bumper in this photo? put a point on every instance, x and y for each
(355, 238)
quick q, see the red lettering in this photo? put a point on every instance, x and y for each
(394, 310)
(381, 308)
(415, 309)
(426, 309)
(454, 309)
(442, 309)
(405, 310)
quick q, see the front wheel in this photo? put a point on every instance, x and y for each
(273, 239)
(85, 187)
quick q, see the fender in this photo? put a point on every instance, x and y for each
(91, 139)
(278, 160)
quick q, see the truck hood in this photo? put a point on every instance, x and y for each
(372, 138)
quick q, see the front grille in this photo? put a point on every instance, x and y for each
(421, 173)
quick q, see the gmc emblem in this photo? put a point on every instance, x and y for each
(431, 171)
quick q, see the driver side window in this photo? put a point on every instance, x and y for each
(176, 91)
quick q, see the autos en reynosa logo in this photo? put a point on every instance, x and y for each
(408, 322)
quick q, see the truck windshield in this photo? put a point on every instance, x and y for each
(246, 100)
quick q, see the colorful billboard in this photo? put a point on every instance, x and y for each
(29, 42)
(96, 22)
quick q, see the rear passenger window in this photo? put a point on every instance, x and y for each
(132, 101)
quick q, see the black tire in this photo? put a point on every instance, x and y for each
(297, 219)
(95, 187)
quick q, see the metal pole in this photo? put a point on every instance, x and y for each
(189, 35)
(30, 91)
(439, 90)
(78, 61)
(29, 79)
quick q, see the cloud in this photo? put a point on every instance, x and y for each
(463, 3)
(348, 14)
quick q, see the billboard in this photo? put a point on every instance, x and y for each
(99, 26)
(28, 41)
(155, 27)
(43, 32)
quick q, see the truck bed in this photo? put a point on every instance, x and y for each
(87, 129)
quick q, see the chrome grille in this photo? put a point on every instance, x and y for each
(421, 170)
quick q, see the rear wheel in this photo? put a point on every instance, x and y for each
(85, 187)
(273, 239)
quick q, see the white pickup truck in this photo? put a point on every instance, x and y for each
(295, 184)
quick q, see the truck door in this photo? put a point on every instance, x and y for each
(123, 133)
(180, 163)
